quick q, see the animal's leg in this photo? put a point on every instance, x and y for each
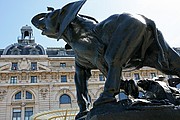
(81, 77)
(112, 87)
(171, 56)
(153, 59)
(123, 44)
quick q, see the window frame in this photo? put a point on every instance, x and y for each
(62, 65)
(19, 96)
(14, 66)
(28, 113)
(63, 78)
(33, 79)
(27, 95)
(101, 77)
(135, 77)
(63, 97)
(13, 80)
(33, 65)
(16, 115)
(152, 75)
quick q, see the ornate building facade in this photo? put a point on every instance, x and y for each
(34, 79)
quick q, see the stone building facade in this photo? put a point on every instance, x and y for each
(34, 79)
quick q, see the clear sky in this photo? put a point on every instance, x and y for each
(17, 13)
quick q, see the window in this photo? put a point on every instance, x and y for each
(21, 94)
(152, 75)
(65, 99)
(16, 114)
(34, 66)
(14, 66)
(136, 76)
(61, 53)
(33, 79)
(62, 64)
(13, 80)
(101, 77)
(34, 51)
(15, 51)
(18, 96)
(28, 95)
(63, 78)
(23, 111)
(28, 113)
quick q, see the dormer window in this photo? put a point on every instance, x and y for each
(34, 51)
(15, 51)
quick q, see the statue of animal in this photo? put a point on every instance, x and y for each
(121, 41)
(159, 90)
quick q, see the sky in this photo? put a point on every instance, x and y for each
(18, 13)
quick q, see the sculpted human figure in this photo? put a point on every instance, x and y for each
(121, 41)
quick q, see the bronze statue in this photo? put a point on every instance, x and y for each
(121, 41)
(159, 90)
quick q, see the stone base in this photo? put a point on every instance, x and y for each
(118, 111)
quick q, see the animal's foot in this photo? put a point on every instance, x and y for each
(81, 115)
(104, 99)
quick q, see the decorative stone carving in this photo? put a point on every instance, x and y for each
(44, 92)
(24, 64)
(5, 67)
(2, 94)
(3, 76)
(43, 67)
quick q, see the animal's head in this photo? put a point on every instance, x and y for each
(144, 84)
(54, 23)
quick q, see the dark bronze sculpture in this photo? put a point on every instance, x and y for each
(119, 42)
(159, 90)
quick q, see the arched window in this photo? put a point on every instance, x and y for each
(24, 111)
(28, 95)
(65, 99)
(15, 51)
(18, 96)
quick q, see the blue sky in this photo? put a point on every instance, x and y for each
(17, 13)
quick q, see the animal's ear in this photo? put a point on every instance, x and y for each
(67, 14)
(38, 21)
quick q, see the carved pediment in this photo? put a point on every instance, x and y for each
(43, 67)
(5, 67)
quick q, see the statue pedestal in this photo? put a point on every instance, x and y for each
(118, 111)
